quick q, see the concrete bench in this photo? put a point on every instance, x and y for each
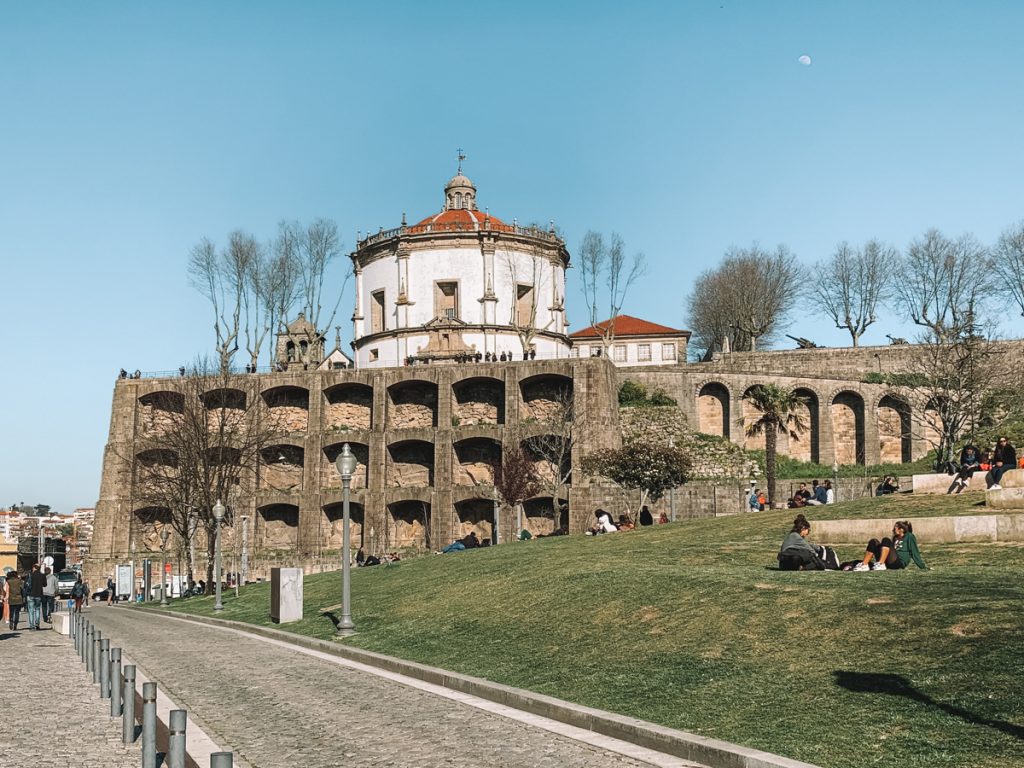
(1006, 498)
(61, 623)
(940, 482)
(928, 530)
(1012, 478)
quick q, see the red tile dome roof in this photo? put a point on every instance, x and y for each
(460, 218)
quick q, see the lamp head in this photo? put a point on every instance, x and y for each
(218, 511)
(346, 462)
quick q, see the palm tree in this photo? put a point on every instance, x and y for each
(777, 407)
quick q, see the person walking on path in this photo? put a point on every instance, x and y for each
(15, 598)
(36, 582)
(78, 592)
(5, 601)
(49, 595)
(110, 591)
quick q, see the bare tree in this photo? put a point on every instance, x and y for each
(528, 284)
(944, 284)
(271, 290)
(516, 478)
(306, 254)
(746, 299)
(1008, 264)
(851, 285)
(607, 274)
(550, 445)
(205, 446)
(958, 386)
(221, 276)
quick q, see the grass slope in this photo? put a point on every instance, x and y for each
(683, 625)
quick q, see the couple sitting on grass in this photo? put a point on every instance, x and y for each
(886, 554)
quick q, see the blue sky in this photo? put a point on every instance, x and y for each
(131, 130)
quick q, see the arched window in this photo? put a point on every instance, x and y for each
(290, 351)
(303, 347)
(458, 199)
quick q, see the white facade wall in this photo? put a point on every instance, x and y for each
(630, 355)
(418, 271)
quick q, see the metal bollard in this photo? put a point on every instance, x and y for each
(149, 725)
(104, 668)
(71, 627)
(97, 639)
(74, 631)
(221, 760)
(87, 648)
(176, 741)
(116, 683)
(128, 705)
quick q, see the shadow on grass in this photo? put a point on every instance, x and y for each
(897, 685)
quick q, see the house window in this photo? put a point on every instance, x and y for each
(668, 351)
(526, 310)
(643, 352)
(374, 355)
(377, 312)
(619, 352)
(446, 300)
(584, 350)
(574, 352)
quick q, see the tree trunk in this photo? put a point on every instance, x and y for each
(771, 438)
(856, 339)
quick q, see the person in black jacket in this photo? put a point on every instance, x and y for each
(1004, 457)
(35, 583)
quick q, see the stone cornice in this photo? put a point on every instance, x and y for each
(403, 242)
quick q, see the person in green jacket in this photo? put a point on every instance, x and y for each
(895, 553)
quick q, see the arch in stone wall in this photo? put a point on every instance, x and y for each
(475, 460)
(540, 517)
(846, 410)
(348, 406)
(333, 528)
(406, 524)
(546, 397)
(282, 467)
(288, 408)
(158, 410)
(412, 404)
(475, 515)
(713, 409)
(225, 397)
(750, 415)
(410, 464)
(157, 457)
(478, 400)
(147, 523)
(894, 430)
(931, 423)
(277, 526)
(806, 446)
(548, 458)
(329, 477)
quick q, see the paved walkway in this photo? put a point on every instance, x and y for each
(55, 717)
(281, 707)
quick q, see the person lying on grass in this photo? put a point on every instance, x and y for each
(797, 553)
(891, 554)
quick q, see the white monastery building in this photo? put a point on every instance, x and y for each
(634, 342)
(459, 285)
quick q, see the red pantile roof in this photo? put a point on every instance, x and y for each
(460, 219)
(627, 325)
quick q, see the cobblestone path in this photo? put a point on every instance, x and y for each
(56, 718)
(280, 708)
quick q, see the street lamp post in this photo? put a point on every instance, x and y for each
(131, 597)
(346, 464)
(835, 480)
(164, 535)
(218, 516)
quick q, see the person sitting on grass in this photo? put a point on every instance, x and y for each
(603, 524)
(890, 484)
(797, 553)
(819, 495)
(797, 502)
(892, 554)
(625, 524)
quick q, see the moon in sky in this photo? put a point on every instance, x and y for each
(805, 60)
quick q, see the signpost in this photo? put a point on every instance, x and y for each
(124, 581)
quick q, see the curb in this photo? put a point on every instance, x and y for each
(713, 753)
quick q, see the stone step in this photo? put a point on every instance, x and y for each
(928, 530)
(1005, 498)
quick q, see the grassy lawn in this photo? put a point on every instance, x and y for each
(684, 625)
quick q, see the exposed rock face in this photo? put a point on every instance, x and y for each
(545, 399)
(334, 530)
(478, 401)
(475, 460)
(413, 406)
(349, 406)
(712, 457)
(407, 519)
(412, 464)
(280, 524)
(475, 515)
(289, 418)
